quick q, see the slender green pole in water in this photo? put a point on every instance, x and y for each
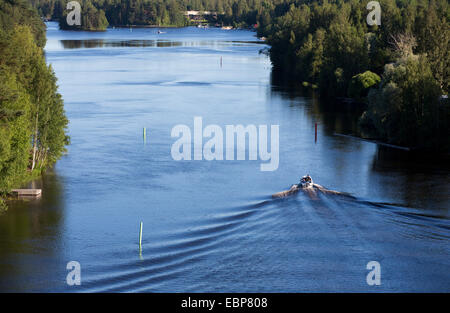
(140, 238)
(144, 134)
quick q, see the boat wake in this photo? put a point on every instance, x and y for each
(297, 244)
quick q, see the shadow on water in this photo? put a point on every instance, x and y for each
(29, 234)
(336, 117)
(421, 180)
(143, 43)
(105, 43)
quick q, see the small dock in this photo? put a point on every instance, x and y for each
(27, 192)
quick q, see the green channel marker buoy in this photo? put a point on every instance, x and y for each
(140, 238)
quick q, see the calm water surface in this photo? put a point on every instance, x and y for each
(212, 226)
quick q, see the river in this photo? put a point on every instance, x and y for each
(212, 226)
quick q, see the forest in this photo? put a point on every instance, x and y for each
(240, 13)
(32, 118)
(399, 70)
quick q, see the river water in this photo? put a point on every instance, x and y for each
(211, 226)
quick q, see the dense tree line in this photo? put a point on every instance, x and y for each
(32, 118)
(329, 42)
(404, 61)
(239, 13)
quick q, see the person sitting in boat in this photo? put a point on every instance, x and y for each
(306, 183)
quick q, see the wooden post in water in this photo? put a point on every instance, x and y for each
(144, 134)
(315, 140)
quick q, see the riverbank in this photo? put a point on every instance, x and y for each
(358, 109)
(138, 26)
(397, 71)
(19, 183)
(97, 14)
(30, 136)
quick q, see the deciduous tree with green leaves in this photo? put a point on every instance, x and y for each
(32, 118)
